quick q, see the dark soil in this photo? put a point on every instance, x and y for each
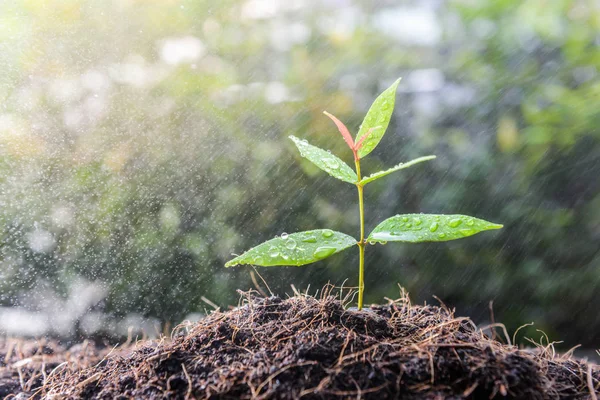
(303, 347)
(26, 364)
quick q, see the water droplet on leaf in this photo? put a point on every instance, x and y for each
(284, 235)
(331, 163)
(327, 233)
(441, 235)
(324, 251)
(310, 239)
(434, 227)
(290, 243)
(455, 222)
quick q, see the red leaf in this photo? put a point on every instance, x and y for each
(343, 130)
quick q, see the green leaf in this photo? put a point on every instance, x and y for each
(326, 161)
(400, 166)
(296, 248)
(378, 116)
(417, 228)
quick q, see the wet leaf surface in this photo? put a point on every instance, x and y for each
(395, 168)
(417, 228)
(297, 249)
(379, 115)
(325, 161)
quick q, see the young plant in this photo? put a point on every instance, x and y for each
(307, 247)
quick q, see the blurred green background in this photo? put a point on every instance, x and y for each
(142, 143)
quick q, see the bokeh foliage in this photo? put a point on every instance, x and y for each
(128, 164)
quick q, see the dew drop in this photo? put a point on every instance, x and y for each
(470, 222)
(285, 257)
(434, 227)
(441, 235)
(417, 221)
(408, 225)
(290, 243)
(455, 222)
(284, 235)
(324, 251)
(310, 239)
(327, 233)
(405, 219)
(467, 232)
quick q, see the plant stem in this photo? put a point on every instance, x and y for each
(361, 242)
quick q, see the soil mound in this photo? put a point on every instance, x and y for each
(304, 347)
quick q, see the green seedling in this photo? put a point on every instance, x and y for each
(307, 247)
